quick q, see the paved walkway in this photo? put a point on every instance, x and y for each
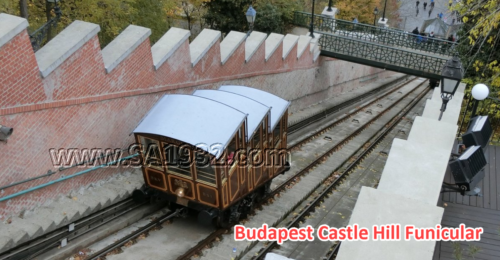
(410, 19)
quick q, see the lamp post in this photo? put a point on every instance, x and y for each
(383, 14)
(451, 76)
(479, 92)
(311, 29)
(251, 13)
(329, 6)
(375, 12)
(37, 36)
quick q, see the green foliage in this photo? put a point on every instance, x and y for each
(227, 15)
(152, 14)
(272, 15)
(269, 19)
(479, 45)
(111, 15)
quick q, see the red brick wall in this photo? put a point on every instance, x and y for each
(80, 106)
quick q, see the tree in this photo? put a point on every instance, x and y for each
(478, 47)
(227, 15)
(479, 42)
(269, 19)
(111, 15)
(152, 14)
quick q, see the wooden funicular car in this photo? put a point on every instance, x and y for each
(215, 151)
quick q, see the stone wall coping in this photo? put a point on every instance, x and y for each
(273, 41)
(289, 42)
(252, 44)
(123, 45)
(302, 45)
(67, 42)
(202, 44)
(231, 42)
(10, 27)
(167, 45)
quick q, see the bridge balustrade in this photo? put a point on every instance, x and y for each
(380, 35)
(381, 56)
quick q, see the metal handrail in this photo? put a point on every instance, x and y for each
(382, 35)
(38, 36)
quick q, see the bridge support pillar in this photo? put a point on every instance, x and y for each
(383, 23)
(330, 14)
(433, 83)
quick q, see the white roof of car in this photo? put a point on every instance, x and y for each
(256, 111)
(198, 121)
(278, 105)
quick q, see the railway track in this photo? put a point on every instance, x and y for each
(323, 193)
(339, 120)
(67, 233)
(324, 114)
(286, 184)
(96, 220)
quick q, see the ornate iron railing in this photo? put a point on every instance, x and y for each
(381, 35)
(382, 56)
(37, 37)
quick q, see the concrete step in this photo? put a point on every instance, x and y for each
(68, 209)
(6, 242)
(33, 230)
(49, 218)
(117, 186)
(15, 234)
(72, 208)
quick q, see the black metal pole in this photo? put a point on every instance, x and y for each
(250, 29)
(374, 20)
(474, 108)
(311, 29)
(329, 6)
(48, 9)
(383, 15)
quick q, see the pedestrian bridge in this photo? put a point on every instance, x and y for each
(379, 47)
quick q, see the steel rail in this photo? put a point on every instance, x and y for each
(319, 160)
(206, 241)
(324, 193)
(70, 231)
(345, 117)
(324, 114)
(202, 244)
(135, 234)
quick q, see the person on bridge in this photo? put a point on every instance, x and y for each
(425, 5)
(432, 35)
(450, 3)
(355, 20)
(415, 31)
(432, 4)
(418, 2)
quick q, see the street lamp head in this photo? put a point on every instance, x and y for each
(251, 13)
(375, 12)
(480, 92)
(451, 76)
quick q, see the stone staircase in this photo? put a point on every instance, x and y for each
(68, 209)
